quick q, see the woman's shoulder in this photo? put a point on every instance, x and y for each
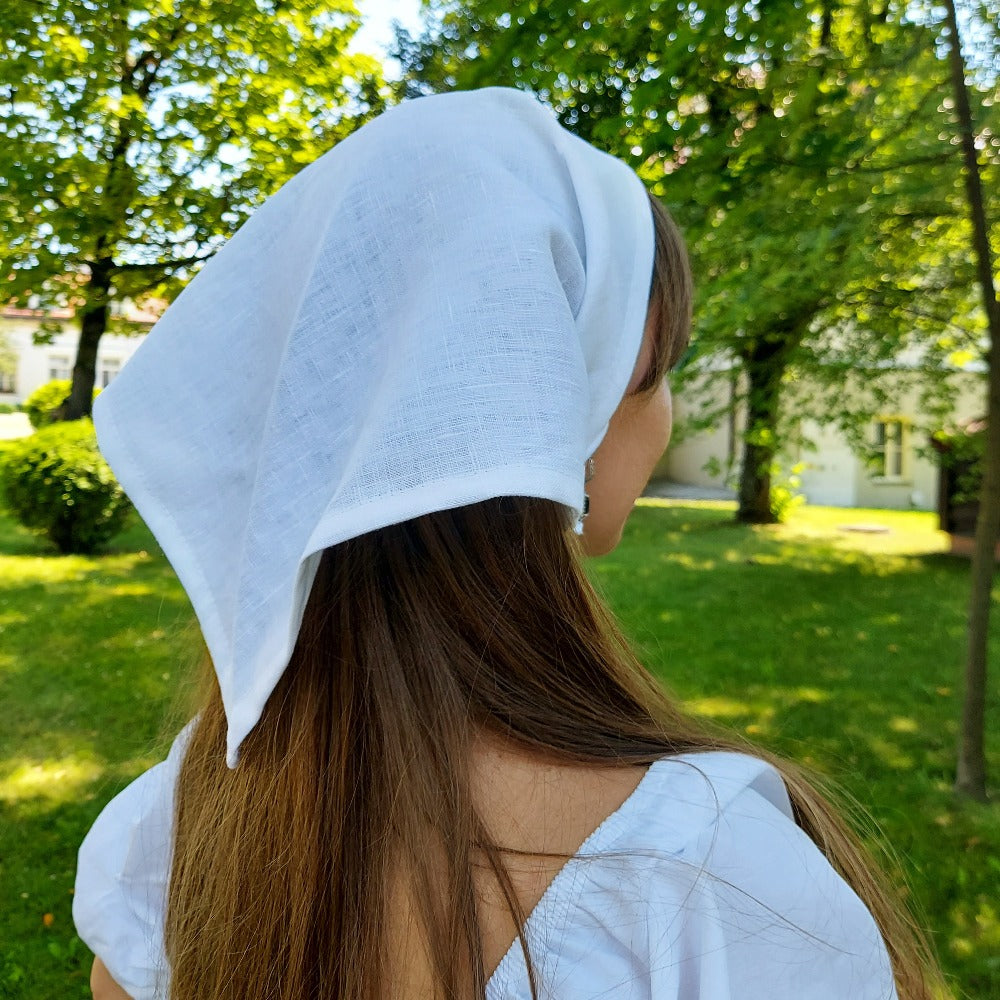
(683, 795)
(720, 825)
(703, 886)
(721, 776)
(121, 878)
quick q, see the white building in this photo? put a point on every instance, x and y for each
(35, 364)
(898, 472)
(903, 476)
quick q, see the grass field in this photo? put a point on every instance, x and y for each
(840, 649)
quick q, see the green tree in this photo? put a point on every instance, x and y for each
(139, 135)
(970, 776)
(795, 140)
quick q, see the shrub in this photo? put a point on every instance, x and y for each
(41, 404)
(57, 483)
(8, 408)
(786, 497)
(5, 446)
(963, 453)
(46, 399)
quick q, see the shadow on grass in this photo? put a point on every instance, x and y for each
(42, 958)
(846, 660)
(93, 652)
(843, 659)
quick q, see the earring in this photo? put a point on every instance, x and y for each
(578, 527)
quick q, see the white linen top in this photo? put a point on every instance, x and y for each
(699, 887)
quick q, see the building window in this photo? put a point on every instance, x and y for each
(8, 382)
(889, 449)
(107, 369)
(59, 366)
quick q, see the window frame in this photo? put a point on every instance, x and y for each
(107, 367)
(65, 363)
(890, 448)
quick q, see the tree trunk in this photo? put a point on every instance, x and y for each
(119, 191)
(764, 369)
(970, 777)
(755, 485)
(93, 323)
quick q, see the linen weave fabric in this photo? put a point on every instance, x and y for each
(444, 308)
(701, 886)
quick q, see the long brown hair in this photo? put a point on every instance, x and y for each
(352, 792)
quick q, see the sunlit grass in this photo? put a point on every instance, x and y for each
(56, 780)
(840, 649)
(91, 649)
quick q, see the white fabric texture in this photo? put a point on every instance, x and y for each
(444, 308)
(699, 887)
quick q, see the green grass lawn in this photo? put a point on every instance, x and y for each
(839, 649)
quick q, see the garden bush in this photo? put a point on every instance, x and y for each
(962, 452)
(786, 497)
(46, 399)
(56, 482)
(5, 446)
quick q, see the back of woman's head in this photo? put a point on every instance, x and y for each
(444, 308)
(440, 609)
(347, 840)
(418, 640)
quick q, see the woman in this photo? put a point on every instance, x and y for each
(375, 436)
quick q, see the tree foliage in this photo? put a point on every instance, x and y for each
(797, 141)
(139, 135)
(970, 778)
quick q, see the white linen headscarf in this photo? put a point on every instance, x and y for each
(444, 308)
